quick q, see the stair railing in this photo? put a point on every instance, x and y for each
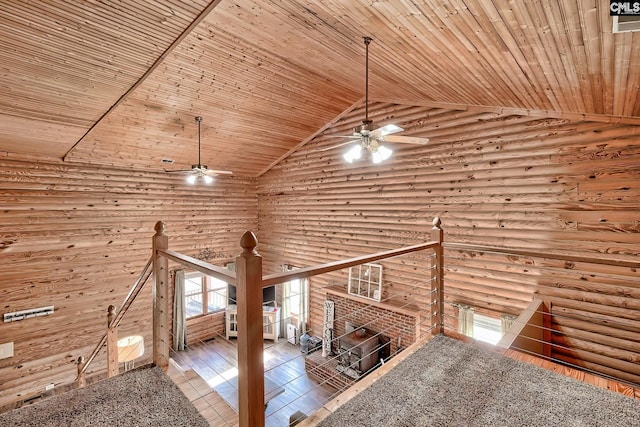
(110, 337)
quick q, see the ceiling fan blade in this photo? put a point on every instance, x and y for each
(355, 134)
(404, 139)
(212, 172)
(179, 171)
(342, 144)
(385, 130)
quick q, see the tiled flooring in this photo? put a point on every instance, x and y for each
(205, 366)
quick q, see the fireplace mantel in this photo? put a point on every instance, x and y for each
(390, 304)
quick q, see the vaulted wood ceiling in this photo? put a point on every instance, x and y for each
(119, 83)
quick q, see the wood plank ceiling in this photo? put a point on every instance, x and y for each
(119, 83)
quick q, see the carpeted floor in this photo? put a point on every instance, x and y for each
(450, 383)
(142, 397)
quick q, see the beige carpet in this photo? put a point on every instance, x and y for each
(141, 397)
(450, 383)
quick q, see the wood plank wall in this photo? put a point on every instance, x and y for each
(77, 238)
(556, 184)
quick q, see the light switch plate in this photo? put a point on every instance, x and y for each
(6, 350)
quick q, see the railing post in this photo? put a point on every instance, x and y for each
(112, 344)
(437, 279)
(546, 328)
(82, 381)
(250, 334)
(160, 298)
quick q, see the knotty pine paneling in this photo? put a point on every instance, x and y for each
(101, 82)
(77, 237)
(556, 185)
(68, 62)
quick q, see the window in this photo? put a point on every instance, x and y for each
(204, 294)
(487, 328)
(365, 280)
(295, 304)
(295, 293)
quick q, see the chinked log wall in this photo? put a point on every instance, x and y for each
(551, 184)
(77, 238)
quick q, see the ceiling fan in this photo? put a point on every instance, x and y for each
(369, 140)
(200, 171)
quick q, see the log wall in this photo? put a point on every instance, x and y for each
(77, 238)
(564, 185)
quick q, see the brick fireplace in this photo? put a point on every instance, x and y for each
(397, 322)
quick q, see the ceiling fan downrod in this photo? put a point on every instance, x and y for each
(367, 40)
(199, 120)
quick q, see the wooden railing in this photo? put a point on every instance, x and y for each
(539, 254)
(249, 282)
(568, 335)
(530, 331)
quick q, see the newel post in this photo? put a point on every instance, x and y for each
(160, 298)
(250, 334)
(437, 279)
(112, 343)
(82, 381)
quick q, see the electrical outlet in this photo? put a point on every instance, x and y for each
(49, 387)
(6, 350)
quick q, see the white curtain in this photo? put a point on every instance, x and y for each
(465, 320)
(179, 313)
(506, 322)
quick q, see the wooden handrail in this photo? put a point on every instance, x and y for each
(305, 272)
(131, 296)
(538, 254)
(201, 266)
(527, 329)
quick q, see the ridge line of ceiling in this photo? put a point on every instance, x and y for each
(313, 135)
(205, 12)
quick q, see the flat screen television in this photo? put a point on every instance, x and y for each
(268, 295)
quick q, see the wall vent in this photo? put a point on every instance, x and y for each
(167, 161)
(26, 314)
(626, 23)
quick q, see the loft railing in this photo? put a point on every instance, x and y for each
(533, 324)
(538, 330)
(249, 283)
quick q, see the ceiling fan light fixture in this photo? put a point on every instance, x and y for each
(369, 138)
(207, 179)
(191, 179)
(382, 153)
(353, 154)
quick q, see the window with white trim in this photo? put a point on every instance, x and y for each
(204, 294)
